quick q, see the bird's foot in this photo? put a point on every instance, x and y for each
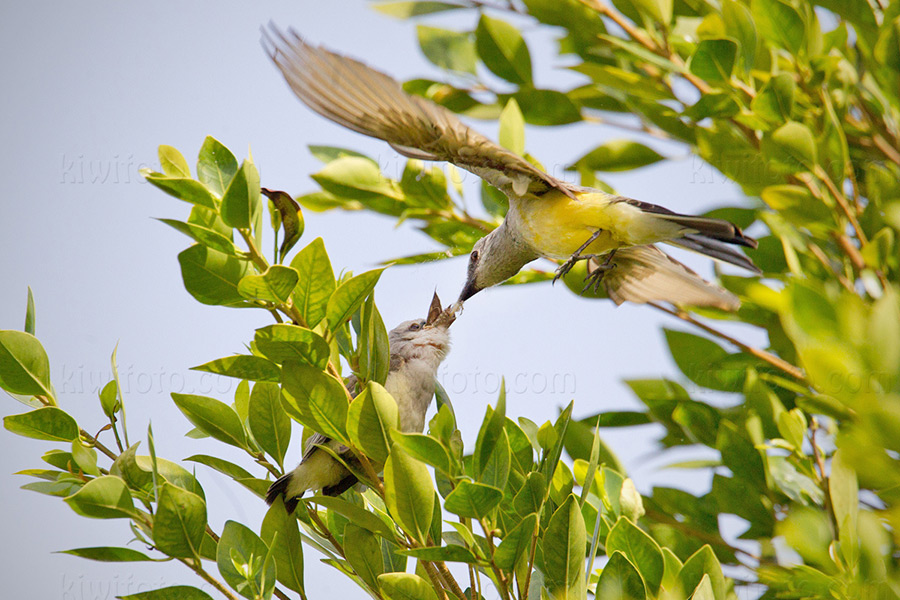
(576, 256)
(595, 277)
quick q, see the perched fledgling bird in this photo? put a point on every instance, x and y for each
(547, 217)
(417, 349)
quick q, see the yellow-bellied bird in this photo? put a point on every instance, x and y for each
(417, 349)
(547, 217)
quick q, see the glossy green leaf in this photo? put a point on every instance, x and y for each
(208, 237)
(619, 580)
(739, 25)
(424, 448)
(512, 128)
(48, 423)
(659, 11)
(373, 344)
(409, 493)
(240, 202)
(453, 50)
(242, 560)
(109, 399)
(362, 549)
(179, 522)
(318, 399)
(714, 59)
(172, 162)
(183, 188)
(516, 542)
(175, 592)
(212, 277)
(564, 546)
(371, 417)
(281, 533)
(349, 296)
(108, 554)
(105, 497)
(356, 514)
(241, 366)
(618, 155)
(24, 366)
(450, 553)
(703, 562)
(275, 285)
(283, 341)
(216, 166)
(472, 500)
(503, 50)
(316, 282)
(640, 549)
(405, 586)
(269, 424)
(414, 8)
(776, 100)
(779, 23)
(213, 417)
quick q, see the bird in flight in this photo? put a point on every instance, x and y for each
(547, 217)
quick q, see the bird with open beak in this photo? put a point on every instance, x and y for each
(417, 349)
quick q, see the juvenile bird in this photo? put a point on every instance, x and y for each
(547, 217)
(417, 349)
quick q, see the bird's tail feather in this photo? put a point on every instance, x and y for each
(717, 249)
(279, 487)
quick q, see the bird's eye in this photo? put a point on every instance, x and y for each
(474, 255)
(415, 327)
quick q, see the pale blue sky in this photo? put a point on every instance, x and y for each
(90, 91)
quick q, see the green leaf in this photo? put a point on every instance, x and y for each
(240, 202)
(704, 590)
(843, 489)
(172, 162)
(108, 554)
(360, 179)
(105, 497)
(780, 23)
(409, 493)
(370, 419)
(242, 560)
(659, 11)
(700, 360)
(414, 8)
(109, 399)
(530, 497)
(739, 26)
(281, 533)
(450, 553)
(349, 296)
(183, 188)
(319, 400)
(405, 586)
(356, 514)
(617, 155)
(516, 542)
(216, 166)
(48, 423)
(473, 500)
(453, 50)
(503, 50)
(179, 522)
(213, 417)
(269, 424)
(175, 592)
(640, 549)
(208, 237)
(275, 285)
(221, 465)
(363, 551)
(424, 448)
(85, 458)
(791, 148)
(512, 128)
(776, 100)
(564, 546)
(212, 277)
(24, 366)
(242, 366)
(619, 580)
(283, 341)
(714, 59)
(373, 344)
(29, 312)
(316, 282)
(703, 562)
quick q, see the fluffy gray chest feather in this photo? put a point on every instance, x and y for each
(412, 385)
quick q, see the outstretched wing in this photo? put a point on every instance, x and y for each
(367, 101)
(642, 274)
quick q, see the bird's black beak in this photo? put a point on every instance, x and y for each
(469, 290)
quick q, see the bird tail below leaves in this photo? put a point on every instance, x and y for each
(279, 487)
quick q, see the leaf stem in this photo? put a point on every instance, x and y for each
(196, 566)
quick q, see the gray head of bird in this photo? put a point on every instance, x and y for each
(494, 259)
(424, 338)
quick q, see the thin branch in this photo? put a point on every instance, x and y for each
(450, 580)
(96, 444)
(435, 579)
(501, 578)
(768, 357)
(323, 530)
(197, 568)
